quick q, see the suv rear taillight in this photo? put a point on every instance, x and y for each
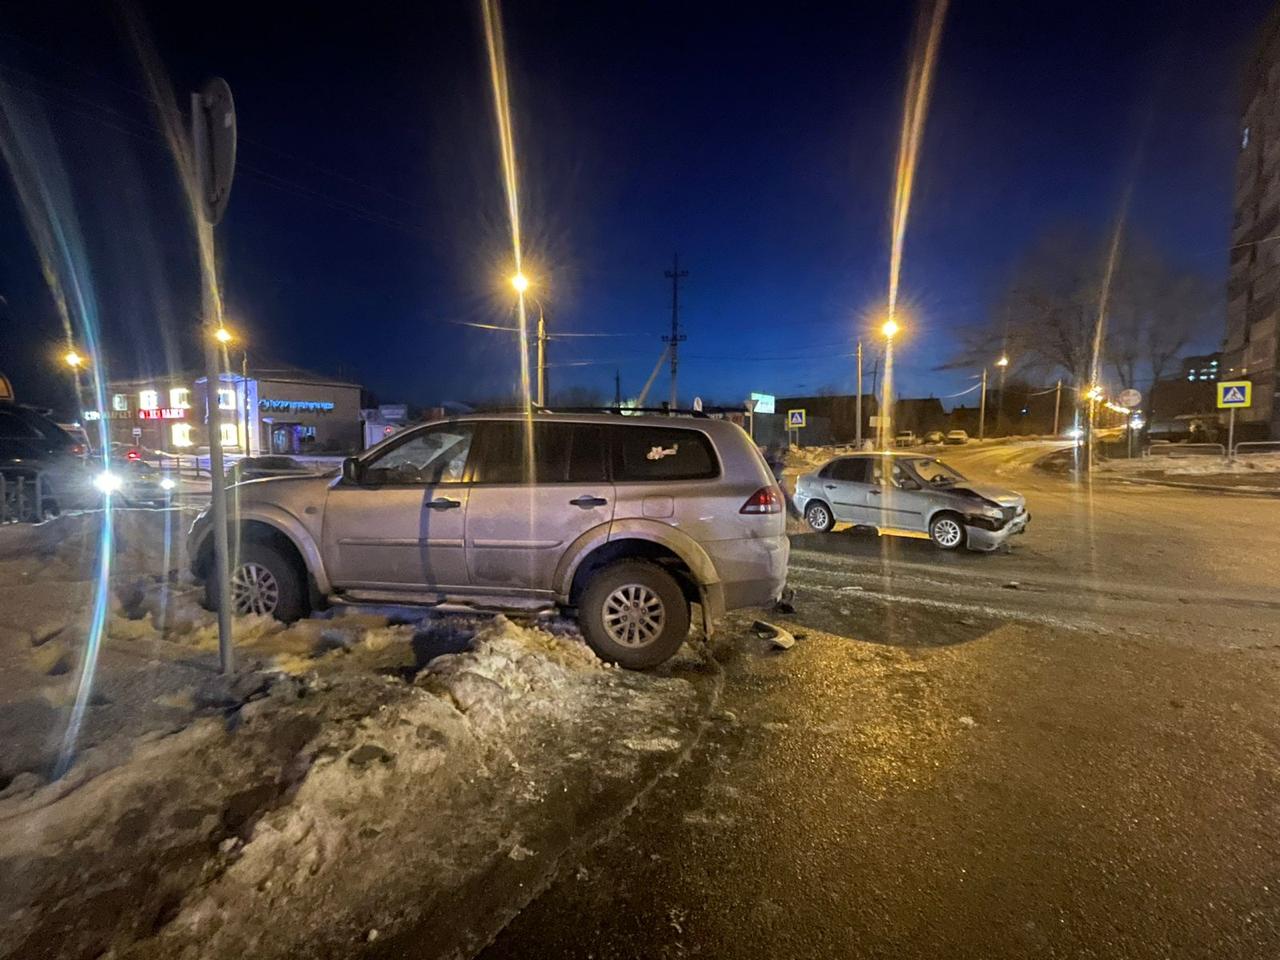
(764, 500)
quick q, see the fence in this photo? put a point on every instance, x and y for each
(1162, 448)
(1257, 447)
(21, 499)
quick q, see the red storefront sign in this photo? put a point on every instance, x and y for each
(163, 413)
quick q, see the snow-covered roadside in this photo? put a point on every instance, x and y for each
(1196, 466)
(355, 784)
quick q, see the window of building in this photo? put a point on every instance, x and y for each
(148, 399)
(180, 398)
(119, 402)
(181, 433)
(230, 434)
(226, 398)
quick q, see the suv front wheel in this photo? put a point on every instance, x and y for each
(263, 582)
(634, 614)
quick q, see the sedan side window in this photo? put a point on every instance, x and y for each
(438, 455)
(852, 470)
(896, 473)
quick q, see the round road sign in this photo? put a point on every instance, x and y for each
(1130, 397)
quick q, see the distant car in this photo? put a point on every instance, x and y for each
(905, 438)
(144, 485)
(31, 446)
(79, 435)
(910, 494)
(255, 468)
(956, 437)
(934, 436)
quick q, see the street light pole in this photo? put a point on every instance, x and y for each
(542, 357)
(982, 408)
(858, 400)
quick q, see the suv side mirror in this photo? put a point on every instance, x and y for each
(351, 470)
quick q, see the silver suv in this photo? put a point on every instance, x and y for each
(910, 494)
(628, 521)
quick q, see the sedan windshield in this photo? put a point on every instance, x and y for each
(936, 473)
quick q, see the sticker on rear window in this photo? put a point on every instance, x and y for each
(657, 453)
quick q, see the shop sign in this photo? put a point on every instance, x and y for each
(296, 406)
(163, 413)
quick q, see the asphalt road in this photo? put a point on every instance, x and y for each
(1068, 750)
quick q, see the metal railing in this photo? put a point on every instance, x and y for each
(1161, 448)
(21, 498)
(1257, 447)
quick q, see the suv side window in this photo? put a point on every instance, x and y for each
(562, 453)
(435, 455)
(852, 469)
(661, 453)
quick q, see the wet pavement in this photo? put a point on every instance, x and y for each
(1072, 749)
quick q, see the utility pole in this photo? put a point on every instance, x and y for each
(982, 409)
(674, 275)
(617, 388)
(858, 401)
(542, 357)
(1057, 405)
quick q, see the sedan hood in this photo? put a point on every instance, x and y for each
(1005, 498)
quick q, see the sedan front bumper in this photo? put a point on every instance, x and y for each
(980, 539)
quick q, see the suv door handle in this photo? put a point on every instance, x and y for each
(586, 501)
(873, 493)
(829, 486)
(444, 504)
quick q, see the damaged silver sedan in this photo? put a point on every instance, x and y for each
(911, 495)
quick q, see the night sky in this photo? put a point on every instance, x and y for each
(367, 219)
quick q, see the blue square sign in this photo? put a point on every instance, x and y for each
(1235, 393)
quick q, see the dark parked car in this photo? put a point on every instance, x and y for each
(33, 445)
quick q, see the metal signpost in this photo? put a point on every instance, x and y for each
(1232, 395)
(213, 148)
(796, 422)
(1129, 398)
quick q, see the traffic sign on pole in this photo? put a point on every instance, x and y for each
(796, 419)
(1234, 394)
(215, 114)
(1130, 398)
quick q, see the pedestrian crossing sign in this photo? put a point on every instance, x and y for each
(1235, 393)
(795, 419)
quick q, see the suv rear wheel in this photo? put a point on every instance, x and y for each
(263, 582)
(634, 614)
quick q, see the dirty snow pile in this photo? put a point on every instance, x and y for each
(356, 780)
(1198, 466)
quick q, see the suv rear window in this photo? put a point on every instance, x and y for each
(13, 427)
(661, 453)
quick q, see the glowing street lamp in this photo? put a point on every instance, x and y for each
(73, 360)
(890, 329)
(520, 282)
(1002, 362)
(223, 335)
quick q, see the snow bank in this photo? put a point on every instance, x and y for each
(1196, 466)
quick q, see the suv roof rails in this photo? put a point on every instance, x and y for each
(620, 411)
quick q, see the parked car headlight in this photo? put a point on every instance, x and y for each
(167, 483)
(108, 482)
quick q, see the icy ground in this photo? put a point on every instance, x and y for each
(358, 781)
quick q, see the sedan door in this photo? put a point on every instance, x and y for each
(895, 498)
(402, 525)
(520, 522)
(845, 486)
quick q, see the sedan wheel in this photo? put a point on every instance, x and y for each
(947, 531)
(818, 516)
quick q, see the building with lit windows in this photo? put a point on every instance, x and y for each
(1253, 291)
(1203, 368)
(263, 410)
